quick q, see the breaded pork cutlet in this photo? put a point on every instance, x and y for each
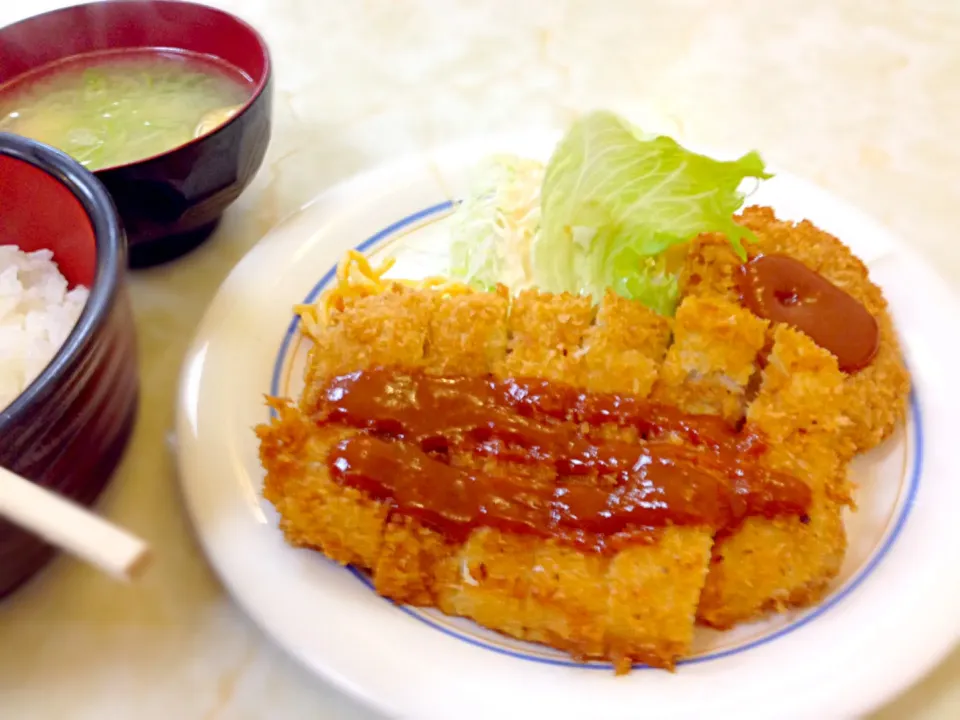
(638, 605)
(874, 398)
(796, 411)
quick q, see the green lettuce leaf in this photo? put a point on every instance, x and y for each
(613, 203)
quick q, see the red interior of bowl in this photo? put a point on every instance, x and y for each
(38, 212)
(95, 27)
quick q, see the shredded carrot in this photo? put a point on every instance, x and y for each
(357, 278)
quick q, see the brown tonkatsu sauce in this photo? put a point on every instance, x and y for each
(546, 470)
(782, 289)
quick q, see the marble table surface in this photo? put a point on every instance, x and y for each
(861, 97)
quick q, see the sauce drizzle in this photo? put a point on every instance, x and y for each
(546, 470)
(782, 289)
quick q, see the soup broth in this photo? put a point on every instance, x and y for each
(114, 108)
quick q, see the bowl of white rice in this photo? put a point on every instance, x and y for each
(38, 309)
(68, 365)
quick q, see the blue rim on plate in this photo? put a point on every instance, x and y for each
(835, 599)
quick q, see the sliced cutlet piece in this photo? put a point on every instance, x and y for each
(712, 358)
(545, 336)
(495, 569)
(492, 577)
(316, 511)
(652, 590)
(771, 564)
(801, 395)
(389, 328)
(468, 334)
(653, 596)
(625, 347)
(876, 397)
(710, 269)
(416, 564)
(567, 600)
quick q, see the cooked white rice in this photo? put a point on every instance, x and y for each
(37, 312)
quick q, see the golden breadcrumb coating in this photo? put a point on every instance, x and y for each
(654, 594)
(315, 511)
(712, 359)
(545, 334)
(623, 350)
(467, 334)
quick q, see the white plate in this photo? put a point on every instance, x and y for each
(892, 613)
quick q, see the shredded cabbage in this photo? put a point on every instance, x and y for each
(494, 228)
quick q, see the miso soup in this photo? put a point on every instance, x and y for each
(114, 108)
